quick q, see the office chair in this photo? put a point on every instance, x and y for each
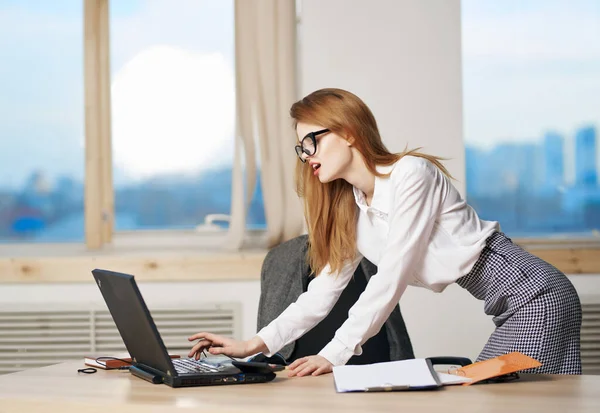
(285, 275)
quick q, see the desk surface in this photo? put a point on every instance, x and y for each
(60, 388)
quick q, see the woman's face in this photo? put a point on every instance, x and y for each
(333, 154)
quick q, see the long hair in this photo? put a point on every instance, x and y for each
(329, 208)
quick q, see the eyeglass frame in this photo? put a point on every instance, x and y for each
(300, 150)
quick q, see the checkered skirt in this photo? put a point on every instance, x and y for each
(535, 307)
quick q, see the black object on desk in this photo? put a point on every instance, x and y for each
(146, 375)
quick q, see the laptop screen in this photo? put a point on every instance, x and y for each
(133, 320)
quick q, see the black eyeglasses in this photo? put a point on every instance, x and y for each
(308, 145)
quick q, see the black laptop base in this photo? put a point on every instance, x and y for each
(242, 378)
(188, 380)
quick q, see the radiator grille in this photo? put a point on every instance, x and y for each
(36, 338)
(590, 338)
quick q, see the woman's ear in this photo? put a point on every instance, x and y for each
(349, 139)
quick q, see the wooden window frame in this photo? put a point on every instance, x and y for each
(99, 194)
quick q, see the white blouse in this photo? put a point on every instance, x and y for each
(417, 230)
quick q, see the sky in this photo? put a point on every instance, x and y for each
(172, 81)
(529, 66)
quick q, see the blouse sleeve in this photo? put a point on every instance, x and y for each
(309, 309)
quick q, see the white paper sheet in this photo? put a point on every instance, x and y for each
(448, 379)
(394, 374)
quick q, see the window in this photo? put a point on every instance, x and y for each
(41, 121)
(173, 113)
(172, 86)
(531, 82)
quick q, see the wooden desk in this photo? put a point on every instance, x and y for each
(60, 388)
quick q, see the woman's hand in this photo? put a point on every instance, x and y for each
(224, 345)
(314, 365)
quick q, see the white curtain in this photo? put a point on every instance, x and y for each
(265, 36)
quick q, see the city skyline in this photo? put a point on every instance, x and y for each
(567, 161)
(521, 185)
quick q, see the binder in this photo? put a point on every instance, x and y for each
(410, 374)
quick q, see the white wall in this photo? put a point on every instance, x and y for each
(402, 57)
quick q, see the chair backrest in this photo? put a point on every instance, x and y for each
(285, 275)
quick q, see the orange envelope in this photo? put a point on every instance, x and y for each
(498, 366)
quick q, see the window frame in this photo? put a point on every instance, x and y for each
(98, 196)
(99, 193)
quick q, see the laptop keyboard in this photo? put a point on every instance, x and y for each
(186, 365)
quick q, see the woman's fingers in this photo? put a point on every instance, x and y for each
(297, 366)
(314, 365)
(218, 345)
(206, 340)
(233, 349)
(198, 347)
(297, 362)
(219, 350)
(207, 336)
(306, 370)
(195, 349)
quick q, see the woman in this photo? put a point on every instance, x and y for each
(402, 213)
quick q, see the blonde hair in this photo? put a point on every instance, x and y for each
(329, 208)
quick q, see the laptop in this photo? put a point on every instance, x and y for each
(150, 360)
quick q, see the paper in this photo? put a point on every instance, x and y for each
(393, 375)
(448, 379)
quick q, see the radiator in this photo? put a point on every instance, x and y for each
(590, 336)
(40, 337)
